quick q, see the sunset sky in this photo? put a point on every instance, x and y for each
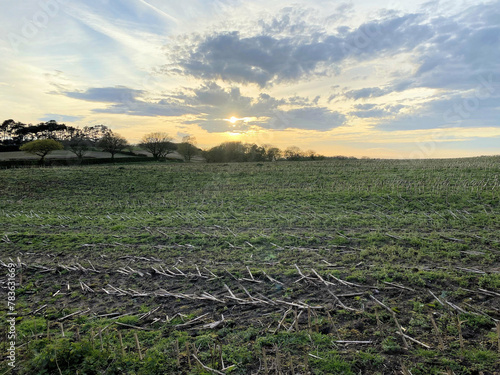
(392, 79)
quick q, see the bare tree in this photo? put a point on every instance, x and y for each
(112, 143)
(158, 143)
(187, 148)
(78, 143)
(293, 153)
(311, 154)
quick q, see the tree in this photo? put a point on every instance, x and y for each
(78, 143)
(256, 153)
(44, 130)
(17, 133)
(187, 148)
(41, 147)
(273, 153)
(311, 154)
(12, 132)
(96, 133)
(232, 152)
(293, 153)
(6, 128)
(112, 143)
(158, 143)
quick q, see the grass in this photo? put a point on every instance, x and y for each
(395, 230)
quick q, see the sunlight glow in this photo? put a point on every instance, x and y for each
(233, 120)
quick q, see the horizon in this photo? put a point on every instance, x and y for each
(398, 80)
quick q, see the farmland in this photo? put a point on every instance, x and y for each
(327, 267)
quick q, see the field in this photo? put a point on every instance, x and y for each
(55, 155)
(329, 267)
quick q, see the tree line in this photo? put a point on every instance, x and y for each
(242, 152)
(14, 133)
(45, 137)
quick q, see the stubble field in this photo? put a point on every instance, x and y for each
(328, 267)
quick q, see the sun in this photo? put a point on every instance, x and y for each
(236, 121)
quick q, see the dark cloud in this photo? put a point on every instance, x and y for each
(376, 92)
(372, 113)
(367, 92)
(461, 55)
(463, 48)
(213, 105)
(479, 108)
(453, 54)
(154, 109)
(290, 21)
(211, 94)
(462, 61)
(106, 94)
(124, 100)
(364, 107)
(276, 54)
(217, 104)
(310, 118)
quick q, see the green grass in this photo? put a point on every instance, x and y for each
(427, 226)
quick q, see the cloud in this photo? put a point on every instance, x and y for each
(124, 100)
(275, 55)
(367, 92)
(154, 109)
(116, 94)
(372, 113)
(397, 85)
(300, 65)
(376, 111)
(310, 118)
(60, 118)
(476, 109)
(217, 104)
(460, 62)
(464, 48)
(213, 105)
(451, 53)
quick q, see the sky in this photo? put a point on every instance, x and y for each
(384, 79)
